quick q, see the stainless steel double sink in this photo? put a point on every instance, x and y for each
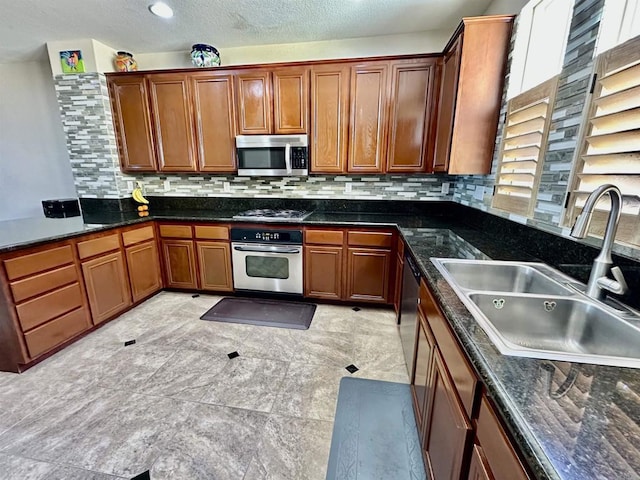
(532, 310)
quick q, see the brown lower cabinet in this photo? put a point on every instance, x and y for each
(447, 430)
(323, 272)
(448, 405)
(214, 260)
(180, 263)
(107, 286)
(144, 270)
(368, 274)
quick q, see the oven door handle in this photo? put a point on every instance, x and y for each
(259, 249)
(287, 158)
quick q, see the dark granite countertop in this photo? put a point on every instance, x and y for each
(585, 429)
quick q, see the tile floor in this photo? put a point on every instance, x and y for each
(176, 405)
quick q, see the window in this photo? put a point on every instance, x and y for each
(524, 141)
(541, 40)
(620, 22)
(609, 151)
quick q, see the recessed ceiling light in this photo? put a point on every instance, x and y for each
(161, 9)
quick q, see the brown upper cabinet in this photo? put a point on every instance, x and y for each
(368, 117)
(273, 101)
(132, 123)
(412, 101)
(214, 108)
(290, 100)
(329, 117)
(471, 94)
(254, 102)
(173, 122)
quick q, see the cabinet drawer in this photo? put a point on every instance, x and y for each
(175, 231)
(503, 461)
(324, 237)
(51, 305)
(461, 372)
(212, 232)
(138, 235)
(43, 282)
(38, 262)
(53, 333)
(91, 248)
(371, 239)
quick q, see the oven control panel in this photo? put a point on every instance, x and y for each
(289, 237)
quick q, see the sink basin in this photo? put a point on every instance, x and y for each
(529, 310)
(559, 328)
(503, 277)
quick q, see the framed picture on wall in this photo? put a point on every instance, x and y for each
(71, 61)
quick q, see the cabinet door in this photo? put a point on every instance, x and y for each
(291, 100)
(144, 270)
(368, 275)
(213, 100)
(254, 103)
(367, 149)
(410, 116)
(173, 122)
(329, 118)
(132, 123)
(180, 264)
(107, 286)
(214, 259)
(323, 272)
(447, 429)
(421, 368)
(447, 106)
(478, 468)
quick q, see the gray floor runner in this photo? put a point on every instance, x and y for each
(374, 433)
(269, 313)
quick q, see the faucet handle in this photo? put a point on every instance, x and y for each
(618, 286)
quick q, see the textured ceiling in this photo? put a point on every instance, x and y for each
(26, 25)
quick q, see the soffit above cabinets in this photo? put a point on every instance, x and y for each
(27, 25)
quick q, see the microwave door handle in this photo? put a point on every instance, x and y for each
(287, 158)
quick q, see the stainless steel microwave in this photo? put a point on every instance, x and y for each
(272, 155)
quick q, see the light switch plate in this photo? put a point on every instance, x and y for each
(167, 185)
(130, 185)
(478, 193)
(445, 188)
(347, 187)
(226, 187)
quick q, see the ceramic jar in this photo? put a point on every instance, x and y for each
(125, 62)
(203, 55)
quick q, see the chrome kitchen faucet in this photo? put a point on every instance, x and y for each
(603, 264)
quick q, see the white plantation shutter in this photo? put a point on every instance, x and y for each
(610, 148)
(524, 142)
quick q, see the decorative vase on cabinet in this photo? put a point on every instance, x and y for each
(203, 55)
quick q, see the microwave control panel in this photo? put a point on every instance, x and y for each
(299, 157)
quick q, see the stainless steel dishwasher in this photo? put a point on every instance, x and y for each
(409, 309)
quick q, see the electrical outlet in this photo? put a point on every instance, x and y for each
(226, 187)
(478, 193)
(445, 188)
(130, 185)
(347, 187)
(167, 185)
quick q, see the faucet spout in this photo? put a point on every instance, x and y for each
(602, 264)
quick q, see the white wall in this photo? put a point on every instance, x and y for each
(34, 163)
(505, 7)
(423, 42)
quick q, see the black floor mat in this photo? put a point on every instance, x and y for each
(268, 313)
